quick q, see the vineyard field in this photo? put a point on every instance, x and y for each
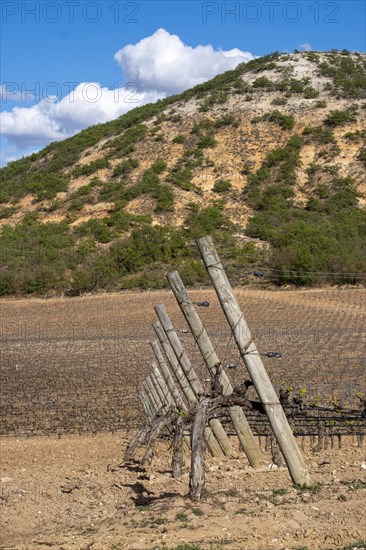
(75, 365)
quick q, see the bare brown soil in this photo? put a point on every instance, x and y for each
(75, 365)
(73, 493)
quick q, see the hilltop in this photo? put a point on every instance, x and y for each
(269, 158)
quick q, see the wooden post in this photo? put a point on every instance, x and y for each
(158, 389)
(147, 402)
(177, 455)
(249, 353)
(175, 366)
(137, 441)
(241, 424)
(189, 371)
(149, 398)
(173, 392)
(154, 393)
(145, 406)
(167, 397)
(167, 376)
(182, 380)
(155, 430)
(197, 473)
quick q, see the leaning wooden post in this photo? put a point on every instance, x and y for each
(149, 398)
(159, 390)
(167, 376)
(182, 380)
(145, 406)
(147, 402)
(156, 428)
(241, 424)
(175, 395)
(167, 397)
(196, 385)
(163, 402)
(153, 393)
(174, 364)
(249, 353)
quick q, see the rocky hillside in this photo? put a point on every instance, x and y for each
(269, 158)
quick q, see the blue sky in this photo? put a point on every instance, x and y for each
(50, 47)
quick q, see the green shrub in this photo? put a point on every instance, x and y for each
(8, 283)
(311, 93)
(41, 184)
(347, 76)
(291, 86)
(263, 82)
(80, 197)
(125, 167)
(124, 144)
(192, 271)
(287, 122)
(97, 228)
(220, 186)
(279, 101)
(206, 221)
(319, 134)
(7, 212)
(362, 155)
(326, 237)
(181, 178)
(355, 136)
(164, 199)
(206, 142)
(75, 205)
(204, 124)
(339, 118)
(179, 139)
(35, 255)
(192, 158)
(175, 118)
(55, 205)
(146, 246)
(88, 169)
(159, 166)
(321, 104)
(226, 120)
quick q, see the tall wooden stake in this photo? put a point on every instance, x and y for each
(167, 376)
(154, 393)
(149, 398)
(182, 380)
(194, 382)
(174, 393)
(241, 424)
(166, 395)
(154, 379)
(249, 353)
(145, 405)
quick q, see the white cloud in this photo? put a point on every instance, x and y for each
(162, 62)
(306, 47)
(51, 120)
(158, 65)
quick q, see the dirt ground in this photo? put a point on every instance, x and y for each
(69, 365)
(73, 492)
